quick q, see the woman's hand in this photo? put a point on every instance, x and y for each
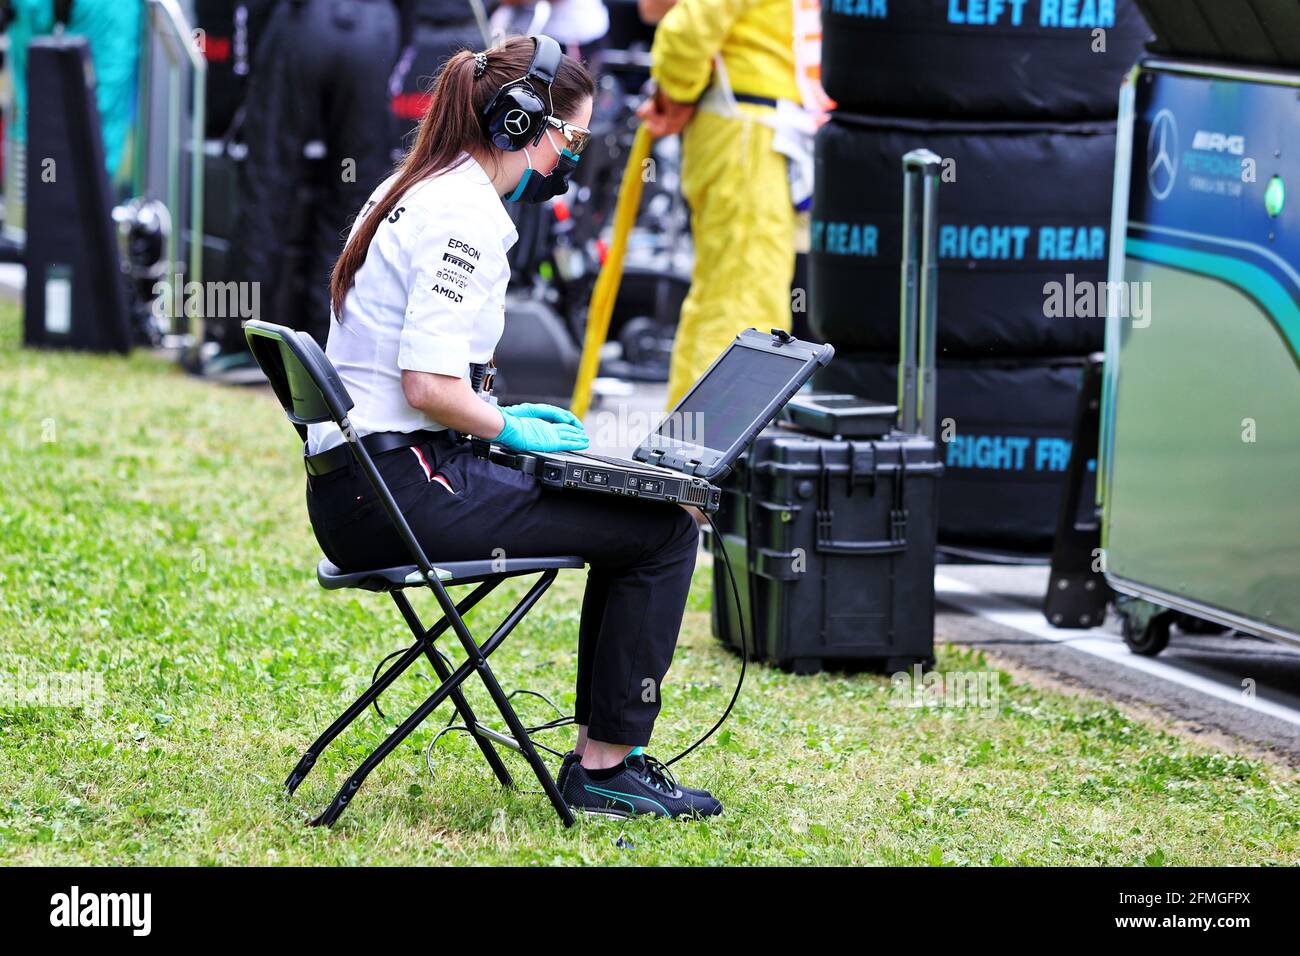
(534, 433)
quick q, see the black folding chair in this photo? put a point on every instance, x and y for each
(311, 392)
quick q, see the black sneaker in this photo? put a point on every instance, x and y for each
(569, 759)
(642, 785)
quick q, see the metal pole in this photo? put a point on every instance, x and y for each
(929, 304)
(907, 306)
(918, 297)
(176, 42)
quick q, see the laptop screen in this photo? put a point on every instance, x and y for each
(729, 399)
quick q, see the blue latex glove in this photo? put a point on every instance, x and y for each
(535, 433)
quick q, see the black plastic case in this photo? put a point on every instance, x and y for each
(838, 537)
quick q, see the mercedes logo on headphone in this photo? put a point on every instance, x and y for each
(517, 122)
(1162, 155)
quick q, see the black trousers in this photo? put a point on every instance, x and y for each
(320, 74)
(641, 555)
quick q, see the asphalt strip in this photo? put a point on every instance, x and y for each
(970, 599)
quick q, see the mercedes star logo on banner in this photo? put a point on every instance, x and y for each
(1162, 155)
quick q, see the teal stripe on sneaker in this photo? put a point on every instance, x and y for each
(624, 797)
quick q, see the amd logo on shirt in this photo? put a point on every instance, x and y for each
(451, 294)
(456, 261)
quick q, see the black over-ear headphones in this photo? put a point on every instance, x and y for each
(517, 115)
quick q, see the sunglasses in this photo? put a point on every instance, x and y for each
(575, 137)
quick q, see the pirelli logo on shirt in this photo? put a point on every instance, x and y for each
(455, 245)
(457, 261)
(447, 293)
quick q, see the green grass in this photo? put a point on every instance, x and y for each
(152, 531)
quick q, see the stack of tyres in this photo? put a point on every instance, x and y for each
(1019, 97)
(1009, 59)
(838, 538)
(1024, 205)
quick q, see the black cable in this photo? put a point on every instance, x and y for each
(375, 676)
(378, 667)
(744, 643)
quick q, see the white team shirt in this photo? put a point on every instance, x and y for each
(430, 297)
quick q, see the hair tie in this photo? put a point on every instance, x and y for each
(480, 64)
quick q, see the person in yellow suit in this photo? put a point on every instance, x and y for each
(721, 66)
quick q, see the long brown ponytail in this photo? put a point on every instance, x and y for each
(451, 127)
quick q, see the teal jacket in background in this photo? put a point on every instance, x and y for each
(113, 29)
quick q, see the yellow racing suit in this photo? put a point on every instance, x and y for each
(736, 184)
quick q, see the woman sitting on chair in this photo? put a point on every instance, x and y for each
(417, 298)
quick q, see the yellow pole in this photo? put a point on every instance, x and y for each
(605, 292)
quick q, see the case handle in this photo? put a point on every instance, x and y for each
(827, 543)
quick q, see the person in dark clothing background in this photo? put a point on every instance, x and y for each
(319, 135)
(436, 30)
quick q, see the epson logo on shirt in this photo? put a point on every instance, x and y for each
(469, 250)
(456, 261)
(74, 908)
(451, 294)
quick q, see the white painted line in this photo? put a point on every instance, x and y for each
(973, 601)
